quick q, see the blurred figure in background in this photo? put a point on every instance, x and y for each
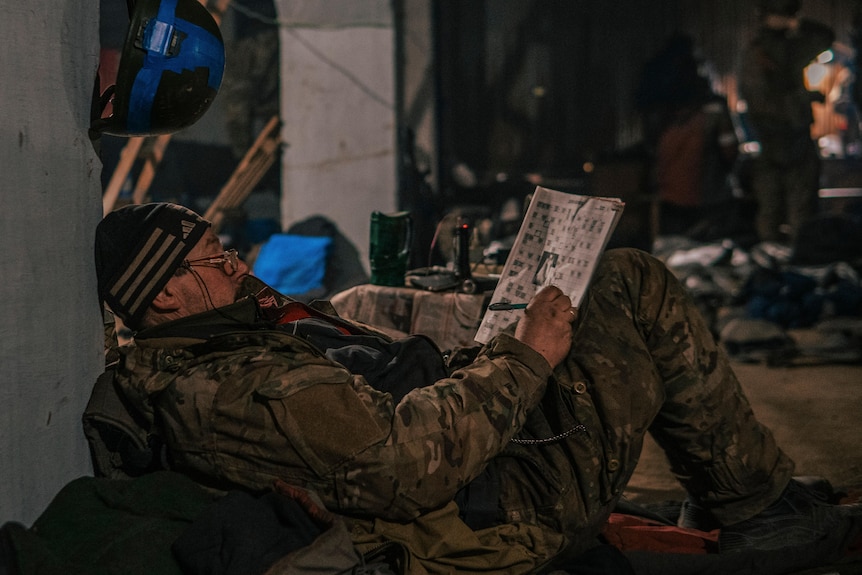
(856, 36)
(251, 80)
(785, 176)
(690, 137)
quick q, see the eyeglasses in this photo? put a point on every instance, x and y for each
(228, 261)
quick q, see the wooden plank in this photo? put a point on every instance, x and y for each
(148, 172)
(253, 166)
(128, 155)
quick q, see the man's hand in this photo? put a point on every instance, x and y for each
(546, 325)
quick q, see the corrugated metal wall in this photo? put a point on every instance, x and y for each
(628, 33)
(588, 57)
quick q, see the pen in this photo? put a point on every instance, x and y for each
(503, 306)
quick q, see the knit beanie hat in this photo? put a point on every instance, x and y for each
(781, 7)
(138, 249)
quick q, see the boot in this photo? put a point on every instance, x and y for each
(803, 514)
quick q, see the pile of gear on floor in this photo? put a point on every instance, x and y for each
(773, 303)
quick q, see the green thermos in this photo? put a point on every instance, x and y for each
(389, 249)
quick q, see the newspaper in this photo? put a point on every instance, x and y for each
(449, 318)
(559, 243)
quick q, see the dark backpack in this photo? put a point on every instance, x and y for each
(122, 445)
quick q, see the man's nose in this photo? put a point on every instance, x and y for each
(243, 268)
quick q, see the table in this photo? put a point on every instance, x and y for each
(449, 318)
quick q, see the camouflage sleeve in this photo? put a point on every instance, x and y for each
(442, 436)
(369, 456)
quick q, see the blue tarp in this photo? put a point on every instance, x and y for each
(293, 264)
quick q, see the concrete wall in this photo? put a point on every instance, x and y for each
(50, 202)
(337, 103)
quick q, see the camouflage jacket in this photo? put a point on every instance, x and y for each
(240, 403)
(549, 454)
(772, 82)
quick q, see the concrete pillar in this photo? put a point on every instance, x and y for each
(51, 347)
(338, 107)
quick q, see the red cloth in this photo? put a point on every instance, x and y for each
(632, 533)
(679, 161)
(323, 517)
(297, 310)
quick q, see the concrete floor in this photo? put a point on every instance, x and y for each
(815, 413)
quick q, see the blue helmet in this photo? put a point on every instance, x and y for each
(170, 69)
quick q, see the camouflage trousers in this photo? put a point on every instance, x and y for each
(643, 361)
(785, 185)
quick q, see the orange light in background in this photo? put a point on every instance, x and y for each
(815, 73)
(818, 70)
(827, 76)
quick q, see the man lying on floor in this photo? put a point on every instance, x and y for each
(507, 459)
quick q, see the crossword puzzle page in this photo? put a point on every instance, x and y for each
(559, 243)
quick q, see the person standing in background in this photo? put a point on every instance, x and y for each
(251, 80)
(689, 135)
(785, 176)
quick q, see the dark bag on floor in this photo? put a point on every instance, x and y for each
(121, 445)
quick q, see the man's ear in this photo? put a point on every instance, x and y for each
(167, 300)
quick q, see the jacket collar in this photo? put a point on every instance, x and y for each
(243, 314)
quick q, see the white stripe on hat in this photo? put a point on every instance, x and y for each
(149, 265)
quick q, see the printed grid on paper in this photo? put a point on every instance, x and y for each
(559, 242)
